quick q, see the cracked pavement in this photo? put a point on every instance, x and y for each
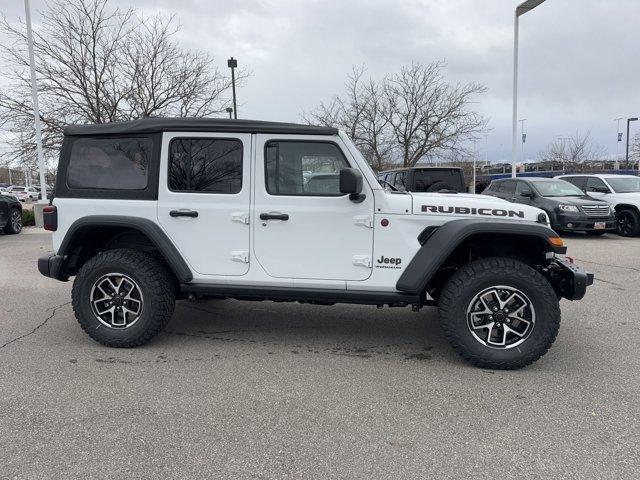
(277, 390)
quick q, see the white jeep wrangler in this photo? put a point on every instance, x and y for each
(154, 210)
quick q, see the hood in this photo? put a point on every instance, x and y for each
(631, 197)
(578, 201)
(462, 205)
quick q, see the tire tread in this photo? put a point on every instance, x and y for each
(492, 266)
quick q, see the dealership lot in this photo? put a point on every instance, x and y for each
(277, 390)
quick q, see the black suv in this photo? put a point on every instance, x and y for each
(569, 209)
(10, 214)
(424, 179)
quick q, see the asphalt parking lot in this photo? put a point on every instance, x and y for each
(274, 390)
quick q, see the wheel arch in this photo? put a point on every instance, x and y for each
(92, 234)
(626, 206)
(459, 242)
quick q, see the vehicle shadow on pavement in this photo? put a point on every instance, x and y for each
(357, 331)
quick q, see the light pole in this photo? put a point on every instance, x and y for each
(232, 63)
(619, 138)
(629, 120)
(564, 140)
(475, 157)
(523, 136)
(521, 9)
(36, 109)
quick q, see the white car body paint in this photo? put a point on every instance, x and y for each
(328, 242)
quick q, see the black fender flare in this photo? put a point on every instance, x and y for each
(145, 226)
(439, 242)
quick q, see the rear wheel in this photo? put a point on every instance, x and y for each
(628, 223)
(14, 225)
(499, 313)
(123, 298)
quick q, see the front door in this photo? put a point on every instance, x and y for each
(304, 228)
(203, 199)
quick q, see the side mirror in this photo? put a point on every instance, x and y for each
(601, 189)
(527, 193)
(351, 182)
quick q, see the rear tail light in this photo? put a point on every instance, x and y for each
(50, 218)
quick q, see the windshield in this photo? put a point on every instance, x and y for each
(624, 184)
(557, 188)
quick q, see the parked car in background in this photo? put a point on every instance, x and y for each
(622, 192)
(424, 179)
(25, 193)
(10, 214)
(568, 208)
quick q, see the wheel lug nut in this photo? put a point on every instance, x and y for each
(490, 317)
(495, 309)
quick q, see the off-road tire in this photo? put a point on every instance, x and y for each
(13, 227)
(634, 219)
(153, 279)
(473, 278)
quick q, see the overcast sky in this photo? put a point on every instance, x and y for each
(579, 59)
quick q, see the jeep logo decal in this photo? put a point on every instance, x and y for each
(491, 212)
(388, 262)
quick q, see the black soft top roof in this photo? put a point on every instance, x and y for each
(161, 124)
(419, 167)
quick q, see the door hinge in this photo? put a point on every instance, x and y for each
(240, 256)
(362, 260)
(240, 217)
(364, 220)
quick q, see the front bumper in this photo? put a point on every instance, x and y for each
(52, 266)
(581, 222)
(569, 280)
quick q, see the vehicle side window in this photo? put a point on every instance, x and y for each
(522, 187)
(303, 168)
(109, 163)
(580, 182)
(594, 184)
(508, 187)
(207, 165)
(400, 182)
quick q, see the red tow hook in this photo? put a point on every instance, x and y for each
(569, 258)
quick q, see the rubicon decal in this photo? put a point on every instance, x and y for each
(488, 212)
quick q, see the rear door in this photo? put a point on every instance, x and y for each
(204, 197)
(304, 228)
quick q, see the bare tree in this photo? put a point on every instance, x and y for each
(634, 149)
(360, 114)
(407, 117)
(96, 63)
(573, 152)
(429, 116)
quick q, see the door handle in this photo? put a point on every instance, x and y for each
(274, 216)
(183, 213)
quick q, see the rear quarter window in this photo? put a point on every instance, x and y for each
(109, 166)
(109, 163)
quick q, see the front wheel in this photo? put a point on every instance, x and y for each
(14, 225)
(628, 223)
(123, 298)
(499, 313)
